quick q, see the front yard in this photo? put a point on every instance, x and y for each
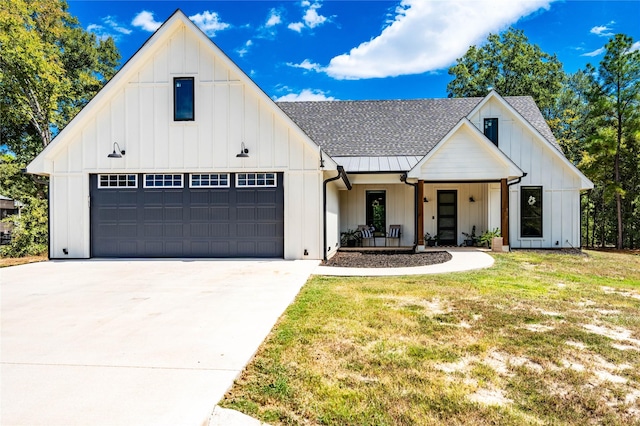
(540, 338)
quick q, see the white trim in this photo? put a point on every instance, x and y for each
(210, 185)
(255, 179)
(118, 181)
(163, 181)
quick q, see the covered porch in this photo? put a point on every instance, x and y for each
(440, 210)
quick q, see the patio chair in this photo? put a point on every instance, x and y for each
(394, 233)
(366, 234)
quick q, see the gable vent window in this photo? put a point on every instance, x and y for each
(210, 180)
(163, 181)
(256, 179)
(183, 99)
(491, 129)
(117, 181)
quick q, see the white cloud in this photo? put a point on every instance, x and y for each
(296, 26)
(306, 95)
(273, 19)
(113, 29)
(115, 25)
(594, 53)
(209, 22)
(311, 17)
(427, 36)
(603, 30)
(245, 49)
(635, 46)
(145, 21)
(307, 65)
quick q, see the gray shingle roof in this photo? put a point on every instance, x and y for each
(395, 127)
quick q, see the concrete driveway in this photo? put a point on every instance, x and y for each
(133, 342)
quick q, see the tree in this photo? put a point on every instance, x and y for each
(50, 67)
(512, 66)
(612, 150)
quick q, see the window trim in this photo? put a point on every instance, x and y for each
(193, 99)
(144, 180)
(191, 175)
(256, 185)
(522, 207)
(492, 120)
(117, 186)
(366, 208)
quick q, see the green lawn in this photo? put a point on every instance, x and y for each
(540, 338)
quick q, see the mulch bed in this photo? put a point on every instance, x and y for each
(352, 259)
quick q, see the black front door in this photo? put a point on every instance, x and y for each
(448, 217)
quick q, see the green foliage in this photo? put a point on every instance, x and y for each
(30, 227)
(611, 157)
(512, 66)
(49, 68)
(30, 236)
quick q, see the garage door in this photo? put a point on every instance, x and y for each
(187, 215)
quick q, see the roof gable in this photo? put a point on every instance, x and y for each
(524, 109)
(135, 64)
(465, 154)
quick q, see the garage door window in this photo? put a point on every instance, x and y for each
(163, 181)
(118, 181)
(211, 180)
(256, 179)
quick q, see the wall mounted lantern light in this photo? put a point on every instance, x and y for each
(116, 154)
(425, 200)
(472, 200)
(243, 152)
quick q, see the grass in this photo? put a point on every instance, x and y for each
(15, 261)
(540, 338)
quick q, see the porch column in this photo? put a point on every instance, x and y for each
(420, 213)
(504, 211)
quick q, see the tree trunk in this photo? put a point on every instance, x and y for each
(619, 242)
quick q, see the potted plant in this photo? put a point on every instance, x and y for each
(432, 241)
(350, 238)
(470, 239)
(486, 239)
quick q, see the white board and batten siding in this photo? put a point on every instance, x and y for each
(137, 113)
(463, 157)
(545, 167)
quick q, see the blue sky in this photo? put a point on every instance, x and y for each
(332, 49)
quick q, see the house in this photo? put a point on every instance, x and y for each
(8, 207)
(181, 154)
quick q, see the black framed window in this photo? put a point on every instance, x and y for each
(531, 211)
(491, 129)
(376, 209)
(183, 99)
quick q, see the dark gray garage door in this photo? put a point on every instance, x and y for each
(131, 220)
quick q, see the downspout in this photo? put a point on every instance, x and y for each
(343, 175)
(517, 181)
(513, 182)
(403, 178)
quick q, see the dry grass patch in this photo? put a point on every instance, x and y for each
(15, 261)
(541, 338)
